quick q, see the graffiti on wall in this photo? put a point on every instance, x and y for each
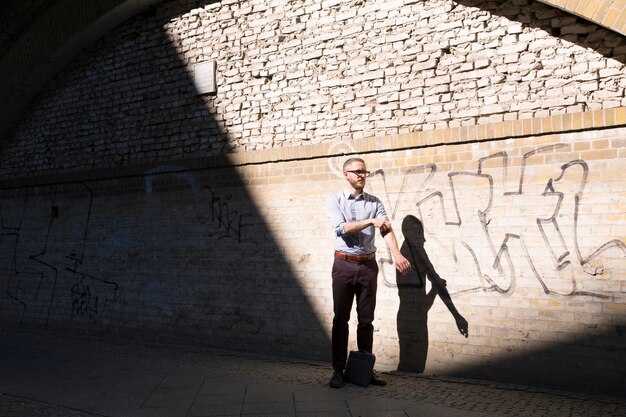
(91, 297)
(43, 246)
(335, 163)
(22, 286)
(491, 222)
(499, 220)
(35, 266)
(211, 209)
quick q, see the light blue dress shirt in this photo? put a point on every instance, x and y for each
(343, 208)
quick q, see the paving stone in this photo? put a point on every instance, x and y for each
(186, 382)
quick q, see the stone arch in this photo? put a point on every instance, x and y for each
(608, 13)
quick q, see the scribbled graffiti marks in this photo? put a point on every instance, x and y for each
(335, 163)
(91, 298)
(210, 208)
(39, 231)
(529, 219)
(31, 280)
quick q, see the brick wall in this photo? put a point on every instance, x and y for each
(131, 206)
(315, 72)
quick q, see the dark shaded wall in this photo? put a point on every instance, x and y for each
(137, 239)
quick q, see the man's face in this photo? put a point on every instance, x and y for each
(355, 180)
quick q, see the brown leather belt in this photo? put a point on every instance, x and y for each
(355, 258)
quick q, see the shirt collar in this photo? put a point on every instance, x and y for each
(348, 195)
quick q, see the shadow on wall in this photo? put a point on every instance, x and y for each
(553, 365)
(412, 320)
(143, 239)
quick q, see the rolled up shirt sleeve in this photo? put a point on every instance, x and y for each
(336, 217)
(380, 210)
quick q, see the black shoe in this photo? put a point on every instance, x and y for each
(337, 380)
(377, 380)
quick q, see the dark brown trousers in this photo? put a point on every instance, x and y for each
(353, 279)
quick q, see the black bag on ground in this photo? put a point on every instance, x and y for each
(360, 367)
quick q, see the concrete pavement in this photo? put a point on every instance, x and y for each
(65, 376)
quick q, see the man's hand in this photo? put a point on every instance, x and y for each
(381, 224)
(356, 226)
(402, 264)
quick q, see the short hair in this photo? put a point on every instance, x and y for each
(350, 161)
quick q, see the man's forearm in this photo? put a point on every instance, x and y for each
(356, 226)
(392, 243)
(402, 264)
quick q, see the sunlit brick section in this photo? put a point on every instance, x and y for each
(608, 13)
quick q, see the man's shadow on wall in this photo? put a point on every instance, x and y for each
(412, 320)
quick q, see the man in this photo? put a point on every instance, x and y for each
(354, 216)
